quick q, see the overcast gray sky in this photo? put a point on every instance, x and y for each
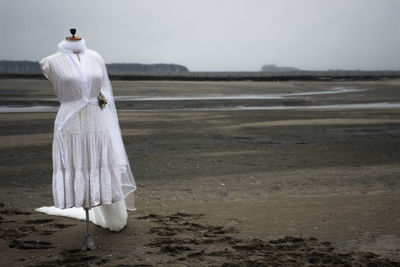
(211, 35)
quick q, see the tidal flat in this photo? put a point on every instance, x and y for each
(228, 174)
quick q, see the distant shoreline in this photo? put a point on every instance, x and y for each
(233, 76)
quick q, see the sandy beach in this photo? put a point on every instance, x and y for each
(228, 173)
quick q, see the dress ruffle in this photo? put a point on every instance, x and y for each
(93, 177)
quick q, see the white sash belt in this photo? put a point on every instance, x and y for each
(83, 103)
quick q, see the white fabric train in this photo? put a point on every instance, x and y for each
(113, 217)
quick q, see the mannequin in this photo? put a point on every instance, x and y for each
(92, 178)
(88, 243)
(74, 38)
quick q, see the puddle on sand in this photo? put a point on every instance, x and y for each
(20, 109)
(336, 90)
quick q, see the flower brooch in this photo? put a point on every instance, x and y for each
(102, 100)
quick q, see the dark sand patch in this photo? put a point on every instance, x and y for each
(183, 238)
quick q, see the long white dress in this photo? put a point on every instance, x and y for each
(90, 164)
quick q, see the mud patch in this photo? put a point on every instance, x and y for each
(74, 257)
(13, 211)
(29, 244)
(39, 221)
(21, 231)
(184, 239)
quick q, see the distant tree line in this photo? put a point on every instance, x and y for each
(129, 68)
(33, 67)
(275, 68)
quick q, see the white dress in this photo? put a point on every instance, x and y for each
(90, 165)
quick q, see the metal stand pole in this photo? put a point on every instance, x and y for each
(88, 244)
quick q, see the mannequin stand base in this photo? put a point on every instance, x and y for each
(88, 244)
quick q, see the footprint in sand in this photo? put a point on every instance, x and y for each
(28, 244)
(39, 221)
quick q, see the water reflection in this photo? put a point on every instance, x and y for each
(336, 90)
(19, 109)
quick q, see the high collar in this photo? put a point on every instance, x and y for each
(72, 46)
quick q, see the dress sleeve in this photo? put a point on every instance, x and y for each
(45, 67)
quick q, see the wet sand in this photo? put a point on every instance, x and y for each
(220, 187)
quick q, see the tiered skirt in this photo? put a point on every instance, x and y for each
(90, 176)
